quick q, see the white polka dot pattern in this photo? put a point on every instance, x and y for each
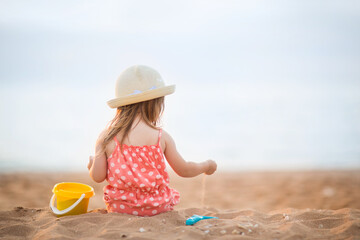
(138, 181)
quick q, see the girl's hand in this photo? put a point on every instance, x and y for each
(212, 167)
(91, 160)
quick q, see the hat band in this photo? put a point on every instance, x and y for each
(139, 91)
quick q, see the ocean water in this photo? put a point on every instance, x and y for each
(240, 126)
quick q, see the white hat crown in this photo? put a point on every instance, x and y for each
(137, 79)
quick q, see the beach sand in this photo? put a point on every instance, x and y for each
(249, 205)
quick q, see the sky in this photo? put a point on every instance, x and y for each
(261, 85)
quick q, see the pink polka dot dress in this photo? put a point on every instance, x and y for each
(138, 181)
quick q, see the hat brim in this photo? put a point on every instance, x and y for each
(141, 97)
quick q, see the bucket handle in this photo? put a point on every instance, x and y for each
(62, 212)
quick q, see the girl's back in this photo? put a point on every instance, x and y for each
(140, 134)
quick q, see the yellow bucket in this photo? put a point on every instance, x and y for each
(71, 198)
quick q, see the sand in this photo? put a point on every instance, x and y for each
(249, 205)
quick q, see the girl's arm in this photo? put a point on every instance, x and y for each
(98, 164)
(180, 166)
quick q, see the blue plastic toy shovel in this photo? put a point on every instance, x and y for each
(195, 218)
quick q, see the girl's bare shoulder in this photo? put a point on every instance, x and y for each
(167, 140)
(165, 135)
(101, 137)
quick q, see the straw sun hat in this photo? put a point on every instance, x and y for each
(138, 84)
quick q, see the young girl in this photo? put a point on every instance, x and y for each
(130, 153)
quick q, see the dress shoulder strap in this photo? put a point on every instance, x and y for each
(116, 141)
(159, 136)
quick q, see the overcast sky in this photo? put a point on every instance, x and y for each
(260, 84)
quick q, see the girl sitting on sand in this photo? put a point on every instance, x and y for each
(130, 153)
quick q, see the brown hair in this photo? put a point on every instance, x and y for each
(149, 111)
